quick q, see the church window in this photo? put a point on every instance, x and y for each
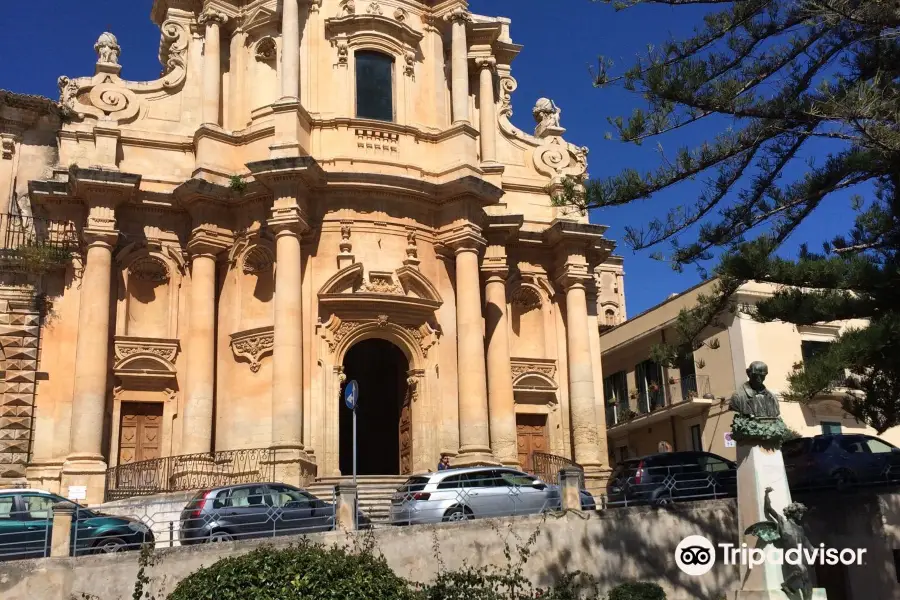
(374, 86)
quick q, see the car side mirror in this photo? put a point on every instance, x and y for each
(538, 484)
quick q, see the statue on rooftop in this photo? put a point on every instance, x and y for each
(546, 115)
(108, 49)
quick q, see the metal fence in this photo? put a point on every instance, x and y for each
(547, 466)
(189, 472)
(17, 231)
(662, 485)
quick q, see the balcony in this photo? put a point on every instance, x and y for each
(33, 245)
(685, 397)
(688, 388)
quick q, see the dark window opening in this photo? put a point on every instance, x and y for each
(374, 86)
(810, 349)
(696, 438)
(831, 428)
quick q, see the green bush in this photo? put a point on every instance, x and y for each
(637, 591)
(305, 571)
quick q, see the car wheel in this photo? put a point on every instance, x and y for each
(109, 546)
(457, 513)
(219, 536)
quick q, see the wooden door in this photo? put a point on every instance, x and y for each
(406, 434)
(140, 431)
(531, 434)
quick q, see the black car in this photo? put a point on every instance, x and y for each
(840, 461)
(255, 510)
(668, 477)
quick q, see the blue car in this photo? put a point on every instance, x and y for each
(840, 461)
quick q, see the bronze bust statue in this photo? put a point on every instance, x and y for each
(752, 398)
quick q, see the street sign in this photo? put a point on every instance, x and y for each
(351, 399)
(351, 394)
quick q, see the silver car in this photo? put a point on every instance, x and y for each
(475, 492)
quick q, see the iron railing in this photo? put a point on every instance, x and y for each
(547, 466)
(17, 231)
(189, 472)
(688, 388)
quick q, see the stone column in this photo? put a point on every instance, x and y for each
(581, 374)
(459, 65)
(474, 435)
(287, 352)
(488, 113)
(499, 370)
(290, 50)
(212, 64)
(201, 350)
(91, 357)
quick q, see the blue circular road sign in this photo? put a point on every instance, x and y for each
(351, 394)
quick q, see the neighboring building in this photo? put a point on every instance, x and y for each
(313, 191)
(687, 408)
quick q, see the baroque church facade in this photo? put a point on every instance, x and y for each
(313, 191)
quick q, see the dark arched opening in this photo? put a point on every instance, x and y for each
(382, 413)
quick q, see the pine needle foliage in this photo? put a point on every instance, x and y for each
(783, 80)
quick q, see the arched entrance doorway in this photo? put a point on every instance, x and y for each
(383, 411)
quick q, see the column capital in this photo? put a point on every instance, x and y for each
(209, 241)
(100, 237)
(458, 15)
(211, 16)
(468, 240)
(574, 276)
(289, 220)
(486, 63)
(495, 270)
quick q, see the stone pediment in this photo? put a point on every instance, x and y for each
(141, 361)
(374, 24)
(405, 291)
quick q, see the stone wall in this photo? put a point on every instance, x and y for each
(19, 334)
(614, 546)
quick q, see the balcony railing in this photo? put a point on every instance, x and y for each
(189, 472)
(547, 466)
(688, 388)
(17, 231)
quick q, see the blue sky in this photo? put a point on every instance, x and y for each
(562, 39)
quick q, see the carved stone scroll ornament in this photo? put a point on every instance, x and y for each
(211, 15)
(343, 53)
(253, 344)
(522, 366)
(347, 8)
(258, 260)
(173, 53)
(525, 298)
(409, 68)
(374, 9)
(552, 156)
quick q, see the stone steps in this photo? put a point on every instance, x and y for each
(374, 491)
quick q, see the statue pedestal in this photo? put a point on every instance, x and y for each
(759, 469)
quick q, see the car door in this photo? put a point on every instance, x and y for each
(296, 512)
(856, 458)
(487, 494)
(38, 512)
(526, 499)
(691, 479)
(13, 535)
(886, 457)
(247, 512)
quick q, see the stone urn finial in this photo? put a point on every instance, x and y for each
(108, 49)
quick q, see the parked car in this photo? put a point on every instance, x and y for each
(474, 492)
(255, 510)
(26, 519)
(668, 477)
(840, 461)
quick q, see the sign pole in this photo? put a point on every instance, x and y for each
(354, 445)
(351, 399)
